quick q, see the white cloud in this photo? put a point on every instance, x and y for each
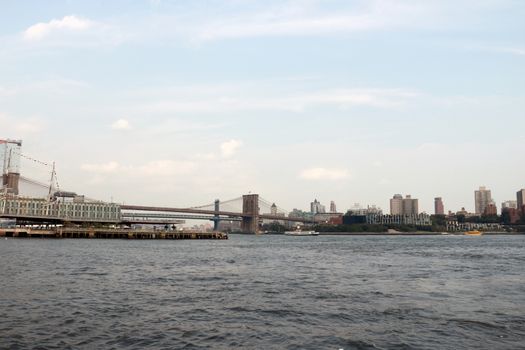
(324, 174)
(254, 27)
(67, 23)
(121, 124)
(310, 18)
(514, 50)
(519, 51)
(244, 98)
(287, 18)
(229, 148)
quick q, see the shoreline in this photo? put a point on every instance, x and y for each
(416, 233)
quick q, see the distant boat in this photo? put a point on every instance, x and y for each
(301, 233)
(473, 233)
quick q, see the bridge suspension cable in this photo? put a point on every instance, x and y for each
(266, 204)
(51, 186)
(221, 203)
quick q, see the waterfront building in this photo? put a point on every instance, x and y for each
(509, 204)
(63, 210)
(354, 219)
(405, 219)
(357, 209)
(396, 205)
(455, 226)
(231, 226)
(373, 209)
(333, 208)
(274, 211)
(482, 198)
(317, 207)
(439, 208)
(465, 213)
(329, 218)
(297, 213)
(510, 215)
(490, 209)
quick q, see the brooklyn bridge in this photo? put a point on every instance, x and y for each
(57, 206)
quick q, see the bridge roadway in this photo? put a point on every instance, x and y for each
(211, 213)
(143, 216)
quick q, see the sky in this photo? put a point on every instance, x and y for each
(178, 103)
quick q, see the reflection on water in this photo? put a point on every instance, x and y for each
(441, 292)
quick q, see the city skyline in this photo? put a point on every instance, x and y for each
(352, 101)
(398, 204)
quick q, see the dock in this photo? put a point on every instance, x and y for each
(108, 233)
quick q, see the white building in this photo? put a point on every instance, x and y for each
(396, 205)
(316, 207)
(404, 206)
(358, 210)
(482, 198)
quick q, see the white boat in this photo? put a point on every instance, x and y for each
(301, 233)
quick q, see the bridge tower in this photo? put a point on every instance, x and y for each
(216, 219)
(10, 156)
(250, 211)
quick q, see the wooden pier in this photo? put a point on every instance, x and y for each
(108, 233)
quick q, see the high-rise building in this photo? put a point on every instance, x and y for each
(316, 207)
(403, 206)
(482, 198)
(396, 205)
(491, 209)
(333, 208)
(439, 208)
(410, 205)
(273, 209)
(10, 163)
(509, 205)
(520, 199)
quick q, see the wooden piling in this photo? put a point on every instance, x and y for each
(108, 233)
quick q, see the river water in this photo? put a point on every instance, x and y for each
(264, 292)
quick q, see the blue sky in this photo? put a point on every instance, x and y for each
(181, 102)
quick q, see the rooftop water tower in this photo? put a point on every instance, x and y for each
(10, 163)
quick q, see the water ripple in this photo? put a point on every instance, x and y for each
(269, 292)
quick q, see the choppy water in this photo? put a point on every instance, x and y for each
(443, 292)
